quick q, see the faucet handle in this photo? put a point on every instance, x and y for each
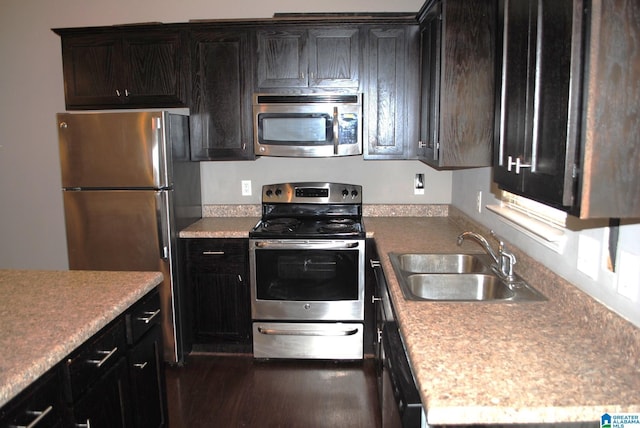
(501, 246)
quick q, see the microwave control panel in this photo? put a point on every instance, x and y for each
(348, 128)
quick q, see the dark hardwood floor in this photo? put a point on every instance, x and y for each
(237, 391)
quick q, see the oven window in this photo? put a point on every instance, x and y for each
(323, 275)
(302, 128)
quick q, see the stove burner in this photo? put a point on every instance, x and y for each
(282, 224)
(339, 225)
(342, 221)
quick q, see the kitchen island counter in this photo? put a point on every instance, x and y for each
(46, 315)
(567, 359)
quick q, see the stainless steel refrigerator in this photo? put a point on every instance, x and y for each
(128, 188)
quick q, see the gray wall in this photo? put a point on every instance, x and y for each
(382, 181)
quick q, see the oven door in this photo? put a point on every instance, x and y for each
(307, 280)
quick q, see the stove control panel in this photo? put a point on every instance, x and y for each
(312, 192)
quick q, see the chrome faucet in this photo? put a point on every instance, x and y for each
(502, 262)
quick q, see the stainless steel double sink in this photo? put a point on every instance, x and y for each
(457, 278)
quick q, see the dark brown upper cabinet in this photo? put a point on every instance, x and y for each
(221, 88)
(457, 76)
(391, 95)
(123, 68)
(297, 58)
(567, 112)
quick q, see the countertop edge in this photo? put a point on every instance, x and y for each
(14, 379)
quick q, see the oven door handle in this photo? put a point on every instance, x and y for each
(298, 244)
(284, 332)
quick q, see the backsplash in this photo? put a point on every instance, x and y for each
(373, 210)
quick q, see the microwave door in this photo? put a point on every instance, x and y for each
(113, 150)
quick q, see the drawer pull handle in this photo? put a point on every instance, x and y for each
(87, 425)
(107, 355)
(149, 317)
(39, 416)
(285, 332)
(140, 366)
(213, 253)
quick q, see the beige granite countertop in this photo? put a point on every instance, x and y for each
(220, 227)
(46, 315)
(567, 359)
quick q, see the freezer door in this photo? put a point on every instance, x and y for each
(114, 150)
(126, 230)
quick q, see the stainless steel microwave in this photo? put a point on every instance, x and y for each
(318, 125)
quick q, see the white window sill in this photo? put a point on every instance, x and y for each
(549, 236)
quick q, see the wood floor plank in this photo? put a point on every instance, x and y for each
(238, 391)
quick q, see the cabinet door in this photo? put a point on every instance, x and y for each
(116, 70)
(282, 58)
(534, 154)
(334, 57)
(610, 167)
(106, 404)
(153, 65)
(92, 68)
(430, 45)
(220, 107)
(392, 94)
(218, 292)
(146, 376)
(458, 84)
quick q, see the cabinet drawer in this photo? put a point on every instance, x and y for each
(142, 317)
(36, 406)
(217, 255)
(93, 359)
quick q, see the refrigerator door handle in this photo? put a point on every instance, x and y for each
(160, 167)
(162, 207)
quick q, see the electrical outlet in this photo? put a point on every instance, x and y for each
(629, 275)
(479, 201)
(246, 187)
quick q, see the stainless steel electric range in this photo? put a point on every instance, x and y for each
(307, 272)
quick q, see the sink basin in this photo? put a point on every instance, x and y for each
(456, 278)
(441, 263)
(467, 287)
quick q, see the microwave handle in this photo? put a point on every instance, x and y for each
(336, 131)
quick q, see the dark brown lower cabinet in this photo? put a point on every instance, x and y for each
(106, 403)
(114, 380)
(218, 294)
(146, 377)
(39, 405)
